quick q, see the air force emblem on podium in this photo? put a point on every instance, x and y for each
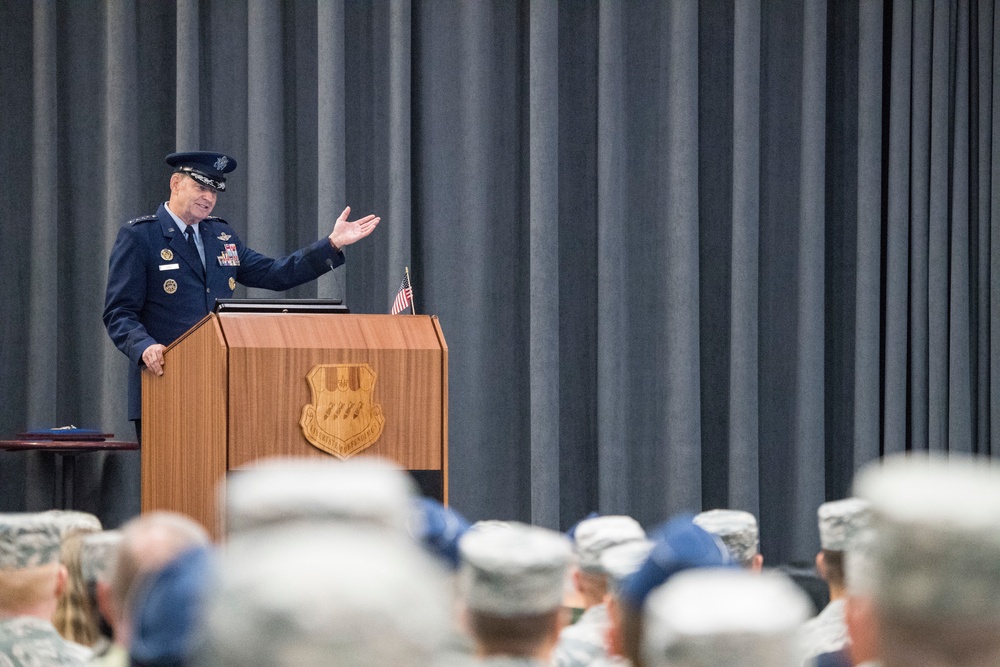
(342, 419)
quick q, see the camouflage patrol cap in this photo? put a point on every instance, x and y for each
(492, 524)
(359, 490)
(593, 536)
(935, 551)
(737, 529)
(518, 571)
(840, 521)
(97, 553)
(325, 594)
(705, 617)
(28, 540)
(622, 560)
(72, 521)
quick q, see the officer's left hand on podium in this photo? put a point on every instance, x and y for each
(346, 232)
(152, 356)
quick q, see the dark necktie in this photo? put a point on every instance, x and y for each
(189, 235)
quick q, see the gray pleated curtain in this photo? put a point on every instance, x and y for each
(685, 254)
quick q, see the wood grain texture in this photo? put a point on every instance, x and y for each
(444, 407)
(271, 355)
(184, 426)
(235, 387)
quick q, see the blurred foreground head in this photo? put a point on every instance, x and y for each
(362, 491)
(149, 544)
(707, 617)
(931, 567)
(325, 594)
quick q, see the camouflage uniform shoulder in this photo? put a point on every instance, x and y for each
(583, 642)
(141, 219)
(26, 641)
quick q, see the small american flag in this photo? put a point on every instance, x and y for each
(404, 297)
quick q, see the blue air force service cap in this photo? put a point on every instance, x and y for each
(678, 545)
(206, 167)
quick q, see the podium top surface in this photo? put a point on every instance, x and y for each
(330, 330)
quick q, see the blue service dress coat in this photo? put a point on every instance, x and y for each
(157, 289)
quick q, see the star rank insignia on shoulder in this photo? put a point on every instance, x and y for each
(145, 218)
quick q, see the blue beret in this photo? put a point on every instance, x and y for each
(167, 608)
(677, 545)
(440, 530)
(206, 167)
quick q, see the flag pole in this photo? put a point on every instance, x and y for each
(413, 303)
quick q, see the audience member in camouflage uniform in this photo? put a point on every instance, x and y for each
(97, 554)
(933, 564)
(840, 521)
(738, 531)
(619, 562)
(722, 618)
(584, 641)
(512, 581)
(31, 580)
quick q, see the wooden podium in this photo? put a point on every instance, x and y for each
(238, 387)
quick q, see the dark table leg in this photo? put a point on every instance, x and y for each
(68, 478)
(58, 481)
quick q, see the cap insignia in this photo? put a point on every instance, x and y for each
(221, 163)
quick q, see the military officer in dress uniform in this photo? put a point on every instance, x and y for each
(167, 269)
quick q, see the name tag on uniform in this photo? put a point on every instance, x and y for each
(169, 267)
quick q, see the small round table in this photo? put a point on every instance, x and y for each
(66, 452)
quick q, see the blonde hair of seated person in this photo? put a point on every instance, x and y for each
(75, 617)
